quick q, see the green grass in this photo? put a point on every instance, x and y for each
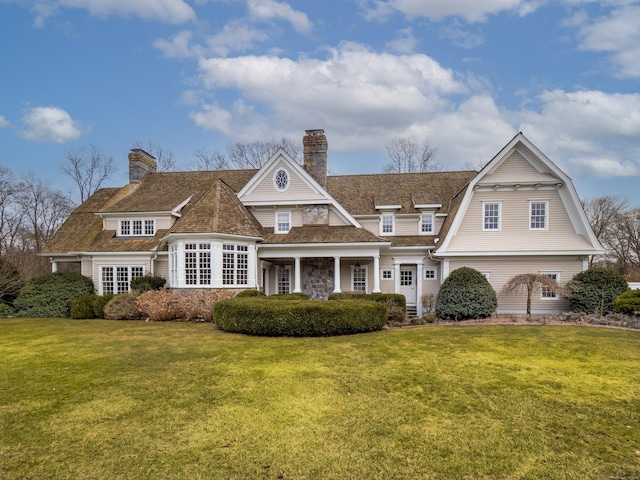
(125, 400)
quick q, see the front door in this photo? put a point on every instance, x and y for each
(408, 283)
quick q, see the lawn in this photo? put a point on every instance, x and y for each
(126, 400)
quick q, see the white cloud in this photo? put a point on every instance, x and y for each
(587, 132)
(270, 9)
(354, 89)
(617, 34)
(4, 123)
(404, 42)
(169, 11)
(236, 36)
(49, 124)
(470, 10)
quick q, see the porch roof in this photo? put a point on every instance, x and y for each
(321, 234)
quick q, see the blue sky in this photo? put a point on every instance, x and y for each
(193, 74)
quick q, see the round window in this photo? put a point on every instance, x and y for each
(281, 180)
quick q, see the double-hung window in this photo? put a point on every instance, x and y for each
(546, 293)
(283, 222)
(491, 216)
(359, 278)
(197, 263)
(388, 224)
(235, 264)
(426, 224)
(539, 214)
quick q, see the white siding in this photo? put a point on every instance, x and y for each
(266, 191)
(517, 168)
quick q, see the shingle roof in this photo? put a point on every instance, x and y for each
(220, 211)
(321, 234)
(359, 194)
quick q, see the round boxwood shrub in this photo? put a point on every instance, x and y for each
(595, 289)
(250, 293)
(99, 302)
(628, 302)
(82, 307)
(465, 294)
(51, 295)
(147, 282)
(122, 307)
(298, 318)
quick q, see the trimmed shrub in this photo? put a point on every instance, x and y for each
(122, 307)
(397, 298)
(147, 282)
(99, 302)
(250, 293)
(628, 302)
(288, 296)
(82, 307)
(298, 318)
(51, 295)
(595, 289)
(465, 294)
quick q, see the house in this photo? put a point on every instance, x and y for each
(288, 227)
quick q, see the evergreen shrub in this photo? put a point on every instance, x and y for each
(6, 311)
(250, 293)
(147, 282)
(99, 302)
(51, 295)
(397, 298)
(82, 307)
(628, 302)
(297, 317)
(595, 289)
(465, 294)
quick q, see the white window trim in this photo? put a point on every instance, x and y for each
(393, 223)
(366, 278)
(287, 268)
(275, 176)
(482, 216)
(143, 225)
(115, 280)
(546, 216)
(237, 250)
(555, 297)
(383, 270)
(433, 224)
(198, 264)
(276, 228)
(428, 270)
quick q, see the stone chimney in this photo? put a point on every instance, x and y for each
(315, 155)
(140, 163)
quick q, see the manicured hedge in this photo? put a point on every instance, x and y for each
(250, 293)
(397, 298)
(298, 318)
(90, 306)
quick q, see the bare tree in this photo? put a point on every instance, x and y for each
(164, 158)
(531, 283)
(10, 281)
(607, 217)
(9, 216)
(210, 160)
(88, 167)
(408, 155)
(256, 154)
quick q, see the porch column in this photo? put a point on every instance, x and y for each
(445, 271)
(54, 266)
(376, 274)
(419, 278)
(396, 276)
(297, 283)
(336, 275)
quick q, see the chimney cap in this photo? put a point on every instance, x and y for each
(140, 150)
(317, 131)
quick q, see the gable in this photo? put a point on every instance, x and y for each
(517, 168)
(263, 188)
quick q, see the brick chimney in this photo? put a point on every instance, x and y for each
(315, 155)
(140, 163)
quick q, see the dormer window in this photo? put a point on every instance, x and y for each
(283, 222)
(388, 224)
(426, 224)
(137, 228)
(281, 180)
